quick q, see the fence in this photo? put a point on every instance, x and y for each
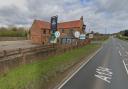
(13, 58)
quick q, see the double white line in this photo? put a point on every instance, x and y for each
(125, 65)
(120, 53)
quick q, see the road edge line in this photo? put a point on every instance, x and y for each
(125, 67)
(77, 70)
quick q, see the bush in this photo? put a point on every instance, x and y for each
(12, 32)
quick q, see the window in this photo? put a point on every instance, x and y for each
(44, 31)
(62, 30)
(71, 31)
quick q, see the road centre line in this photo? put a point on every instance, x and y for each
(125, 67)
(121, 46)
(119, 53)
(126, 52)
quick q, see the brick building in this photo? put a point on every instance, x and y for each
(40, 30)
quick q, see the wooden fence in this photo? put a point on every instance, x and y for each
(13, 58)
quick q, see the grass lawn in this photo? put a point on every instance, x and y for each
(36, 74)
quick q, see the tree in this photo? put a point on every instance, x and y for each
(126, 33)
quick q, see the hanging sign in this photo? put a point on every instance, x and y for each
(77, 34)
(54, 23)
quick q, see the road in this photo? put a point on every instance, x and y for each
(108, 69)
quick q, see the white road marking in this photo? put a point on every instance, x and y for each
(104, 74)
(121, 46)
(120, 53)
(70, 76)
(126, 52)
(103, 78)
(125, 67)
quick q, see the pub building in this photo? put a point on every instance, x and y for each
(40, 31)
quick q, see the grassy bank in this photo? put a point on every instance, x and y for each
(100, 38)
(122, 37)
(38, 74)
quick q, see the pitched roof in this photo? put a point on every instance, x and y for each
(62, 25)
(70, 24)
(42, 24)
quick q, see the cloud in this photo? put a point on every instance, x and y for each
(98, 14)
(13, 15)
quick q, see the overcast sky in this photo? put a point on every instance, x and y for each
(99, 15)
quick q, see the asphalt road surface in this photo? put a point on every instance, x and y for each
(108, 69)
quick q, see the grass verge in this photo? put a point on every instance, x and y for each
(122, 37)
(37, 74)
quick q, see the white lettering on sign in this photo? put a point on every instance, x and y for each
(104, 74)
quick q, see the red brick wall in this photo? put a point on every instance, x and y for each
(37, 34)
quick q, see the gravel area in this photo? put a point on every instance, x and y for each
(9, 45)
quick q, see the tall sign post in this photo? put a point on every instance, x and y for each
(53, 29)
(54, 23)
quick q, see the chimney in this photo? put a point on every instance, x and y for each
(81, 18)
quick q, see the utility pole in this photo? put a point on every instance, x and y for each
(105, 30)
(89, 30)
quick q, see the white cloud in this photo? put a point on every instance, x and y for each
(19, 3)
(98, 14)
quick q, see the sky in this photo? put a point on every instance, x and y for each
(104, 16)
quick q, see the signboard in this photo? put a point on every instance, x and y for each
(53, 39)
(54, 23)
(82, 37)
(57, 34)
(77, 34)
(90, 35)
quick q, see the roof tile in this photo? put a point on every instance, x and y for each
(62, 25)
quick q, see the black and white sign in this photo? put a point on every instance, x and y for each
(90, 35)
(77, 34)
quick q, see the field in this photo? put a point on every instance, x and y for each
(38, 74)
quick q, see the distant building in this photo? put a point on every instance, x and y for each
(40, 30)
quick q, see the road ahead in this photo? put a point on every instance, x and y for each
(106, 70)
